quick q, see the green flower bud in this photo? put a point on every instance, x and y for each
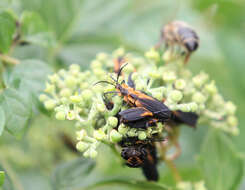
(184, 107)
(200, 79)
(218, 100)
(81, 134)
(62, 73)
(123, 129)
(169, 76)
(101, 56)
(142, 135)
(95, 64)
(50, 88)
(93, 153)
(232, 121)
(119, 52)
(74, 67)
(153, 54)
(157, 95)
(115, 136)
(65, 92)
(230, 108)
(154, 74)
(64, 100)
(60, 115)
(167, 56)
(84, 85)
(54, 78)
(49, 104)
(78, 125)
(200, 186)
(112, 121)
(87, 95)
(184, 185)
(43, 97)
(101, 107)
(176, 95)
(198, 97)
(211, 88)
(180, 84)
(193, 106)
(76, 99)
(71, 81)
(99, 134)
(71, 115)
(132, 132)
(82, 146)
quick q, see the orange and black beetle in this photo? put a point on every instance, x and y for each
(146, 110)
(140, 154)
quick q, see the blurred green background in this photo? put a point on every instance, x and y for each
(82, 28)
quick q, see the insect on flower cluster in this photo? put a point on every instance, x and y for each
(135, 104)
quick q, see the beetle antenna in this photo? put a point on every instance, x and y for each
(119, 72)
(104, 81)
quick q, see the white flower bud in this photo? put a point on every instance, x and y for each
(198, 97)
(142, 135)
(153, 54)
(123, 129)
(43, 97)
(65, 92)
(115, 136)
(169, 76)
(49, 104)
(60, 115)
(180, 84)
(81, 134)
(112, 121)
(211, 88)
(82, 146)
(99, 134)
(175, 95)
(230, 108)
(232, 121)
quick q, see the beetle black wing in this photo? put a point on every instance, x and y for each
(134, 114)
(188, 118)
(159, 109)
(149, 167)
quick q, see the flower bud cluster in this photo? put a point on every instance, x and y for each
(186, 185)
(73, 96)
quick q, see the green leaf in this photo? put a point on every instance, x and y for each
(7, 31)
(2, 120)
(34, 30)
(130, 184)
(29, 76)
(1, 178)
(17, 111)
(70, 174)
(221, 164)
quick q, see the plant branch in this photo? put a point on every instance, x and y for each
(9, 60)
